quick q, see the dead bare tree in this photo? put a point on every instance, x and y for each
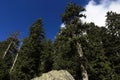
(15, 58)
(12, 42)
(6, 51)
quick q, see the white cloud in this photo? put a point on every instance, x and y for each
(96, 12)
(62, 25)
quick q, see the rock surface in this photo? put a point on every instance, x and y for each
(55, 75)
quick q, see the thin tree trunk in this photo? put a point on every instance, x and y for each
(84, 71)
(14, 63)
(15, 60)
(7, 49)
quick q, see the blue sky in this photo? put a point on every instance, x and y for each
(18, 15)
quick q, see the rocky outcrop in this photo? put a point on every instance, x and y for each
(55, 75)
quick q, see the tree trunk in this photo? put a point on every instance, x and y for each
(15, 60)
(7, 49)
(14, 63)
(83, 70)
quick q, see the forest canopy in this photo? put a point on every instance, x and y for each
(87, 51)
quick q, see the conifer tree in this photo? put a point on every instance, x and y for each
(111, 42)
(98, 65)
(67, 43)
(28, 62)
(46, 56)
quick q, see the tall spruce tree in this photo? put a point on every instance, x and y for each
(112, 41)
(46, 56)
(66, 56)
(28, 62)
(98, 65)
(68, 47)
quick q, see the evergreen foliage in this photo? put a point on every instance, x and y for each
(66, 41)
(46, 56)
(98, 52)
(111, 42)
(8, 50)
(28, 62)
(98, 65)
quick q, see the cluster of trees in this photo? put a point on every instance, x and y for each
(87, 51)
